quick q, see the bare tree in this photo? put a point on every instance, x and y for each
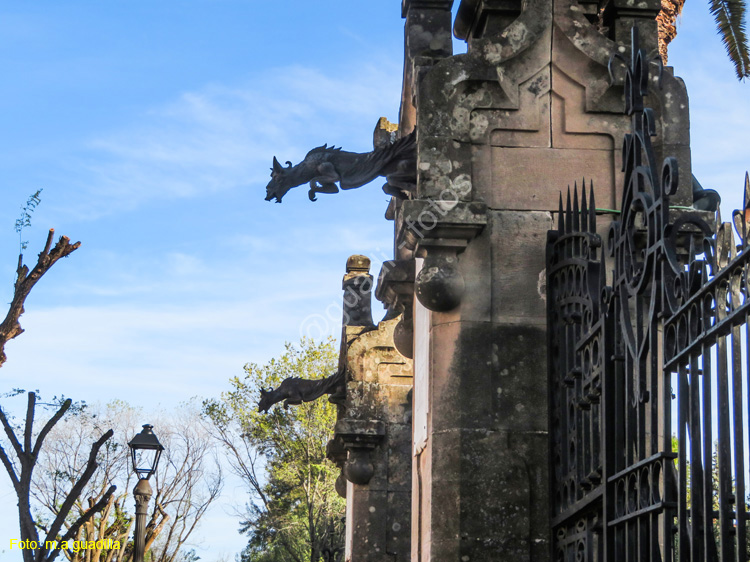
(187, 482)
(59, 467)
(78, 506)
(24, 446)
(21, 469)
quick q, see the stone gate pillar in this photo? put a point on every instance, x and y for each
(372, 438)
(501, 131)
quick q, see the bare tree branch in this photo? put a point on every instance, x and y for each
(28, 454)
(73, 529)
(48, 426)
(28, 430)
(75, 492)
(9, 467)
(11, 434)
(10, 327)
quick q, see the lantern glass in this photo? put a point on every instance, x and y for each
(145, 450)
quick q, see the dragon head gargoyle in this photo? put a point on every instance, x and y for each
(328, 169)
(266, 400)
(295, 390)
(281, 181)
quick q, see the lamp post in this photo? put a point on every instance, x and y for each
(145, 450)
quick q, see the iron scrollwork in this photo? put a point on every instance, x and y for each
(630, 353)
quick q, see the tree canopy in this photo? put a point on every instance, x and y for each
(295, 512)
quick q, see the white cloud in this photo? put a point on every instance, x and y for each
(144, 355)
(224, 137)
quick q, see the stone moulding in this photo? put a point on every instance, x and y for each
(395, 287)
(374, 368)
(439, 231)
(521, 77)
(372, 437)
(396, 291)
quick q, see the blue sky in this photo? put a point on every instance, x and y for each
(151, 128)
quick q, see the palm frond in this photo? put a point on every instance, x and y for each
(730, 23)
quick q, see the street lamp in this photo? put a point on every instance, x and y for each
(145, 450)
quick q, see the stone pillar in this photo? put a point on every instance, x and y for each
(427, 39)
(372, 438)
(501, 131)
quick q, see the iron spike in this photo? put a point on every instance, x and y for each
(560, 219)
(576, 211)
(584, 209)
(568, 215)
(592, 208)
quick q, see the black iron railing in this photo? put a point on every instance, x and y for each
(648, 368)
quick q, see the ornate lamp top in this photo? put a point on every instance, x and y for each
(144, 464)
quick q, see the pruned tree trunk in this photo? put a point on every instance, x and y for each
(21, 460)
(666, 23)
(25, 281)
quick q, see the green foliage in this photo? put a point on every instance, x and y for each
(25, 219)
(296, 513)
(715, 498)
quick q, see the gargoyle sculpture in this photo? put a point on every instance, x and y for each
(324, 166)
(295, 390)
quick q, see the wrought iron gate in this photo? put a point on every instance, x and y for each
(648, 368)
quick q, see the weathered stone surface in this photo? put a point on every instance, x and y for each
(518, 265)
(487, 516)
(385, 133)
(366, 525)
(487, 395)
(477, 305)
(427, 39)
(461, 384)
(533, 168)
(374, 425)
(398, 529)
(396, 284)
(439, 284)
(443, 222)
(399, 457)
(396, 291)
(530, 109)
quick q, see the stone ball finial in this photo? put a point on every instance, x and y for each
(439, 285)
(359, 468)
(358, 263)
(403, 338)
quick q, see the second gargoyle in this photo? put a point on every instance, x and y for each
(296, 390)
(325, 166)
